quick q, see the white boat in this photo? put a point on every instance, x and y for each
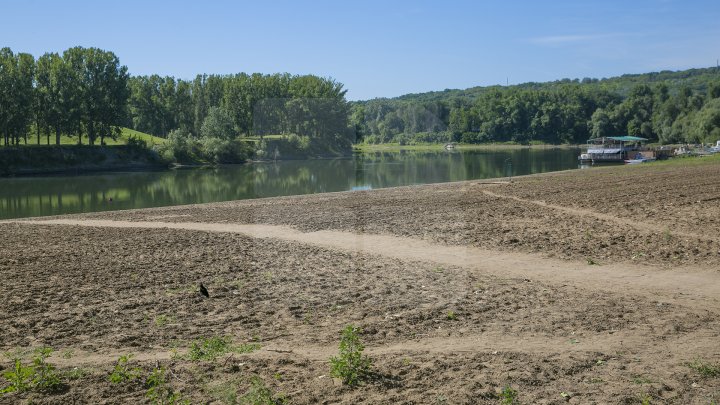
(611, 149)
(716, 148)
(639, 158)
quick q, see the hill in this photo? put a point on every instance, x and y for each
(666, 107)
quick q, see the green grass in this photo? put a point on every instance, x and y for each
(122, 140)
(394, 147)
(705, 369)
(211, 348)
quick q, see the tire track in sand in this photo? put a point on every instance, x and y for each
(694, 287)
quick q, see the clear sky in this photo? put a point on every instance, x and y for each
(379, 48)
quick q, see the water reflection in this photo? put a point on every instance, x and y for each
(36, 196)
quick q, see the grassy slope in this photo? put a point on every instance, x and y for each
(122, 140)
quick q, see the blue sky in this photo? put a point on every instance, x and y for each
(379, 48)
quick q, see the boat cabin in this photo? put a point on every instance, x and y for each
(612, 149)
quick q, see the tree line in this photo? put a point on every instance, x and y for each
(85, 93)
(668, 107)
(309, 110)
(81, 92)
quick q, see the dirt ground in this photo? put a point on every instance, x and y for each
(585, 287)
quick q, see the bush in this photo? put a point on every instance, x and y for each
(259, 394)
(41, 375)
(122, 372)
(351, 365)
(180, 146)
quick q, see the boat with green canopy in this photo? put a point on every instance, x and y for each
(613, 149)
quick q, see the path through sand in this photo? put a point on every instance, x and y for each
(692, 286)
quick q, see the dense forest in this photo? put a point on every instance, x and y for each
(667, 107)
(87, 95)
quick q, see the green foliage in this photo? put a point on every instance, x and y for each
(218, 125)
(159, 391)
(123, 372)
(259, 394)
(508, 396)
(225, 392)
(213, 347)
(451, 316)
(20, 377)
(705, 369)
(209, 348)
(351, 365)
(45, 378)
(162, 320)
(40, 375)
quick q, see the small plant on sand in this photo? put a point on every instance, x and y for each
(123, 372)
(667, 235)
(644, 399)
(214, 347)
(41, 375)
(591, 262)
(705, 369)
(508, 396)
(20, 377)
(351, 365)
(209, 348)
(225, 392)
(259, 394)
(452, 316)
(159, 391)
(45, 376)
(162, 320)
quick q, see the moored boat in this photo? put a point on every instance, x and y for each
(612, 149)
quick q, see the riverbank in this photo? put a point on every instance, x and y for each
(395, 147)
(587, 286)
(34, 160)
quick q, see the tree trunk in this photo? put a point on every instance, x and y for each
(57, 136)
(91, 133)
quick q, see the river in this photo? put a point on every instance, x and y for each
(63, 194)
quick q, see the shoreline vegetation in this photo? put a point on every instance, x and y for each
(86, 96)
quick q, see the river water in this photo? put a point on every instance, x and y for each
(62, 194)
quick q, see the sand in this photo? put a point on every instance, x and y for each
(593, 286)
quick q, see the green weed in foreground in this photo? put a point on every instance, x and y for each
(705, 369)
(159, 391)
(123, 372)
(20, 378)
(163, 320)
(40, 375)
(351, 365)
(508, 396)
(259, 394)
(214, 347)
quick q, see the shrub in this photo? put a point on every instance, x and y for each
(351, 365)
(159, 391)
(122, 372)
(508, 396)
(212, 348)
(41, 375)
(259, 394)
